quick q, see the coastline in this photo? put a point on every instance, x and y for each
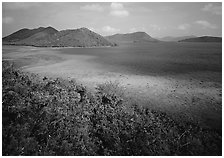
(57, 47)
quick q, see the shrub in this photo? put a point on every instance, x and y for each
(45, 116)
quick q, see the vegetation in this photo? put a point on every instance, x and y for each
(50, 37)
(43, 116)
(136, 37)
(203, 39)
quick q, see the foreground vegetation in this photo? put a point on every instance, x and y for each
(43, 116)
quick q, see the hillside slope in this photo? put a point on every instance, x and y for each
(50, 37)
(203, 39)
(82, 37)
(36, 38)
(22, 34)
(175, 39)
(131, 38)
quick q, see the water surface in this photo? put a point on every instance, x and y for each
(171, 58)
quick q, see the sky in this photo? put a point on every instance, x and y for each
(158, 19)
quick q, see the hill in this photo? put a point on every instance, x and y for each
(82, 37)
(36, 38)
(175, 39)
(26, 33)
(203, 39)
(131, 38)
(50, 37)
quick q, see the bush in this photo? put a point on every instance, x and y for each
(45, 116)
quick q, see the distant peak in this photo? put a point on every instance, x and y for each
(207, 36)
(140, 32)
(83, 28)
(49, 27)
(117, 34)
(137, 33)
(25, 29)
(41, 28)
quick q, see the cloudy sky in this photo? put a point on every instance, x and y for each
(156, 19)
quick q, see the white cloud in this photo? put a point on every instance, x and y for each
(119, 13)
(7, 20)
(116, 6)
(183, 26)
(118, 10)
(138, 29)
(206, 24)
(213, 9)
(110, 29)
(92, 29)
(155, 27)
(19, 5)
(93, 7)
(133, 29)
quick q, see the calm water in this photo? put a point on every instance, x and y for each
(203, 61)
(157, 58)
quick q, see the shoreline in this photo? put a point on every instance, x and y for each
(56, 47)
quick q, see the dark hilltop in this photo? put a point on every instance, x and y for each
(50, 37)
(138, 37)
(203, 39)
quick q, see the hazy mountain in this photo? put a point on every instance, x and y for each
(131, 37)
(175, 39)
(203, 39)
(49, 37)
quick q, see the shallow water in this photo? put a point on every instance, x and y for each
(158, 58)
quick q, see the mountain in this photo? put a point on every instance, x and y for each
(25, 33)
(131, 38)
(37, 37)
(175, 39)
(203, 39)
(82, 37)
(50, 37)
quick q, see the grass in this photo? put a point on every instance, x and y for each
(48, 116)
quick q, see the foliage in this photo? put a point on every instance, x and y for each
(44, 116)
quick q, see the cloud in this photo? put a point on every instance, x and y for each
(92, 29)
(118, 10)
(119, 13)
(213, 9)
(156, 27)
(150, 27)
(7, 20)
(206, 24)
(93, 7)
(19, 5)
(110, 29)
(183, 26)
(116, 6)
(134, 29)
(166, 8)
